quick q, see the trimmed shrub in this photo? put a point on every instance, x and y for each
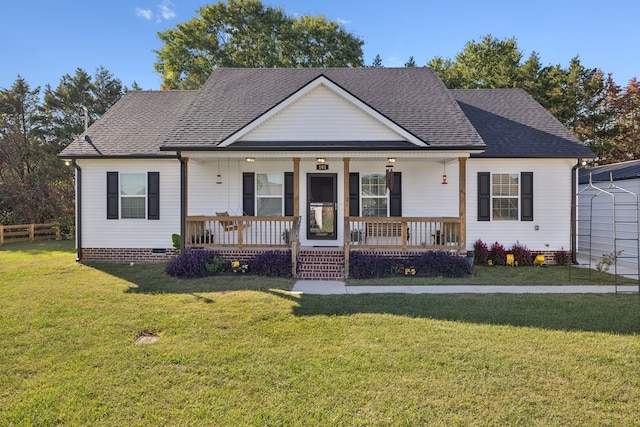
(481, 252)
(430, 264)
(562, 257)
(192, 263)
(440, 264)
(272, 264)
(521, 254)
(497, 254)
(370, 266)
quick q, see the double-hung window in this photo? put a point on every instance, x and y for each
(269, 194)
(505, 196)
(133, 195)
(374, 199)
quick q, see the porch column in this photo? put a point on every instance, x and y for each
(462, 163)
(346, 186)
(296, 186)
(347, 236)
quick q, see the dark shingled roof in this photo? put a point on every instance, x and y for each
(508, 121)
(413, 98)
(513, 124)
(135, 126)
(620, 171)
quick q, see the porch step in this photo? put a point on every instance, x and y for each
(320, 264)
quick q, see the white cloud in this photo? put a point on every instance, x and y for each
(144, 13)
(342, 21)
(166, 11)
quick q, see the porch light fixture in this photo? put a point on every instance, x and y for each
(321, 159)
(251, 159)
(391, 160)
(444, 172)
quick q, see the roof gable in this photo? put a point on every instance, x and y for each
(322, 111)
(412, 101)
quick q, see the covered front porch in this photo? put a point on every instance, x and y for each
(339, 203)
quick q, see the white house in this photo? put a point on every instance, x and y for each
(334, 159)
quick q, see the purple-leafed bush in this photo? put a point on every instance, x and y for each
(430, 264)
(497, 254)
(481, 252)
(369, 266)
(521, 254)
(192, 263)
(272, 263)
(440, 264)
(562, 257)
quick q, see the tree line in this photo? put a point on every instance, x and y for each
(36, 124)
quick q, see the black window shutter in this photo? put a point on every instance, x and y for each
(395, 197)
(112, 195)
(288, 194)
(153, 195)
(484, 196)
(526, 196)
(248, 193)
(354, 194)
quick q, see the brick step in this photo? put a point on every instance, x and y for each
(327, 268)
(320, 276)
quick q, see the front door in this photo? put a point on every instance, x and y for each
(321, 206)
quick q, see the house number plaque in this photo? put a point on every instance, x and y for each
(322, 167)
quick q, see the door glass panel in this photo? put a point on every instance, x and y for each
(321, 207)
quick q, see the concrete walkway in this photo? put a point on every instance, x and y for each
(331, 287)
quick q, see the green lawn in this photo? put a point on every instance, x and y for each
(503, 276)
(241, 350)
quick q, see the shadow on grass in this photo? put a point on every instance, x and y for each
(151, 279)
(610, 313)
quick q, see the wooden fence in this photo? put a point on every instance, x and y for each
(28, 232)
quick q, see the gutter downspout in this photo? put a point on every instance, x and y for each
(183, 208)
(574, 213)
(78, 209)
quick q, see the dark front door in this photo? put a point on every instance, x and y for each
(321, 206)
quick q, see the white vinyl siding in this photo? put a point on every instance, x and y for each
(98, 232)
(322, 115)
(551, 227)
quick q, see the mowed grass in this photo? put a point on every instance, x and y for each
(241, 350)
(506, 276)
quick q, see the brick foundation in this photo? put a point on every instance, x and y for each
(149, 255)
(142, 255)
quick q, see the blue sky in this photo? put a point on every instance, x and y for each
(44, 39)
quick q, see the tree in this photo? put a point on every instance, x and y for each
(411, 63)
(377, 62)
(27, 173)
(246, 33)
(35, 185)
(63, 105)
